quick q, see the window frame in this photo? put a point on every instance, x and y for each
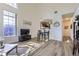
(14, 25)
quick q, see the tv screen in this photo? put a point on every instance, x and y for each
(24, 31)
(78, 23)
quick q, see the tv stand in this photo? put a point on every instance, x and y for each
(24, 38)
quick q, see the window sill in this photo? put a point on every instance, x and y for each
(10, 36)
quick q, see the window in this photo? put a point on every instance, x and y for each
(12, 4)
(9, 23)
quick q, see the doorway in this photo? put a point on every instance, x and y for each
(67, 27)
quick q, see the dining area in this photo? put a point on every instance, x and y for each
(44, 32)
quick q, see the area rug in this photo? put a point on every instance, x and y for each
(34, 44)
(22, 49)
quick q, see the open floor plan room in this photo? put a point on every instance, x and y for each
(39, 29)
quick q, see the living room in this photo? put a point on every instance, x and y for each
(23, 17)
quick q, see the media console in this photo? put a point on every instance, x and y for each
(24, 35)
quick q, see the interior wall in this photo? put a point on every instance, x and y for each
(46, 11)
(37, 12)
(28, 12)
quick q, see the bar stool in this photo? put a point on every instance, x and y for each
(39, 35)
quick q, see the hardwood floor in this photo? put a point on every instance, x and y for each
(56, 48)
(52, 48)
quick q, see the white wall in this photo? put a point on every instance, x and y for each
(57, 31)
(29, 12)
(10, 39)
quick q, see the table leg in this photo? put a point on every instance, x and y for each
(17, 50)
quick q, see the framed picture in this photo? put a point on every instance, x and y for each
(66, 27)
(27, 22)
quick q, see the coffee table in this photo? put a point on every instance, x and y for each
(7, 49)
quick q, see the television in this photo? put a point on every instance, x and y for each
(24, 31)
(78, 23)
